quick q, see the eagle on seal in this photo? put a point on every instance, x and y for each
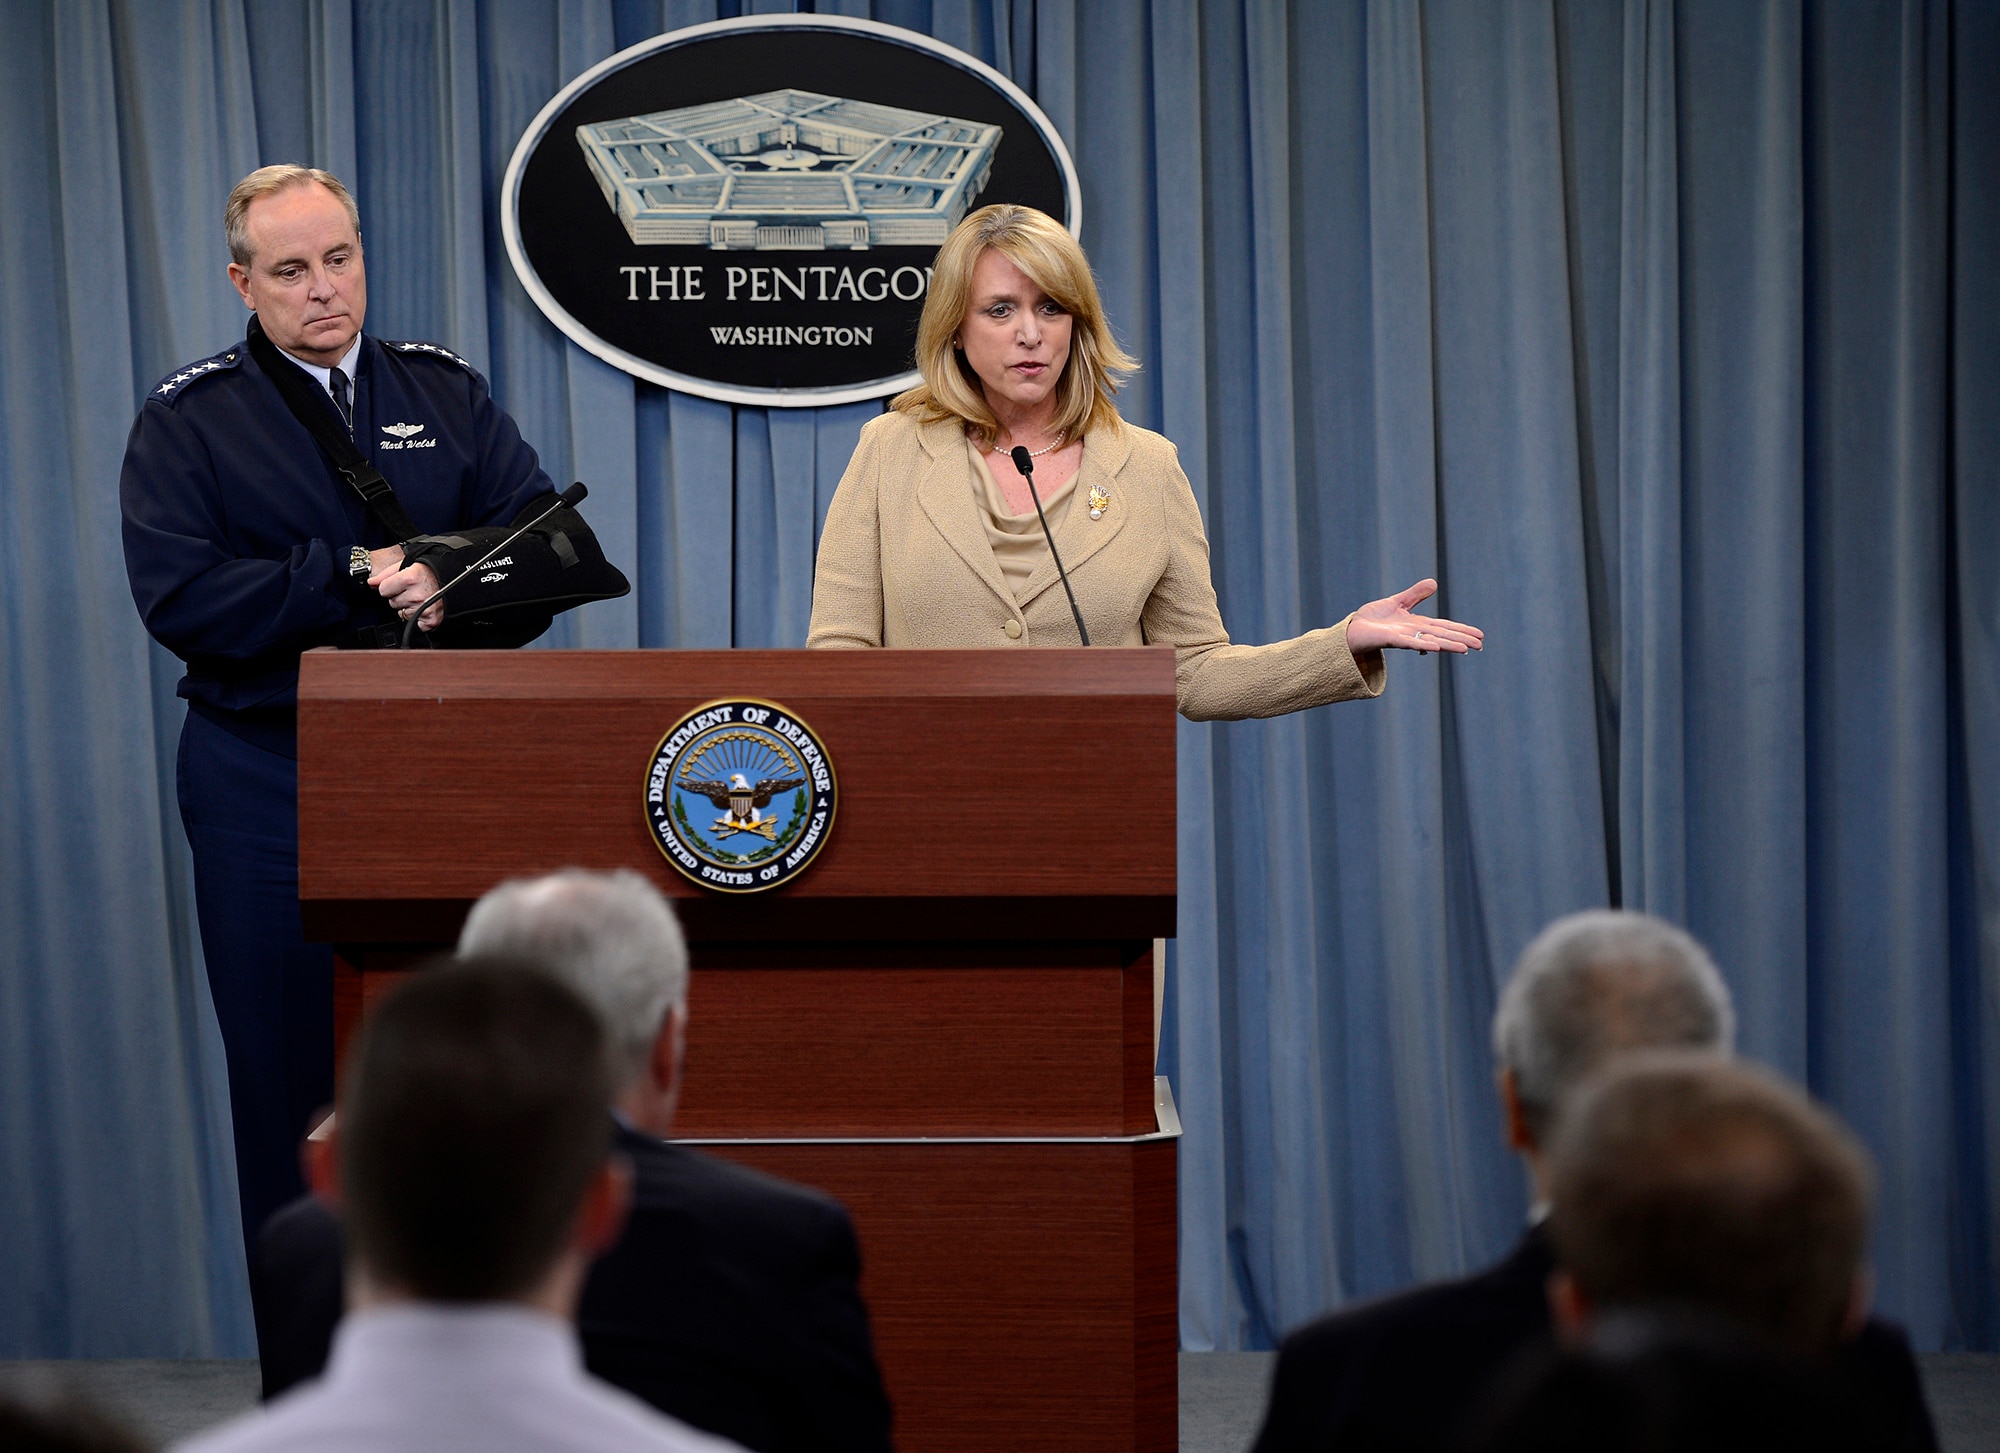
(741, 800)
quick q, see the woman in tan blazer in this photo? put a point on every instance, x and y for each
(934, 537)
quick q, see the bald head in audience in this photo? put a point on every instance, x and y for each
(1683, 1181)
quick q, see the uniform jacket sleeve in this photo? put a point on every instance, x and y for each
(196, 596)
(509, 475)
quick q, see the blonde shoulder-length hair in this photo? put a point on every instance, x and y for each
(1053, 260)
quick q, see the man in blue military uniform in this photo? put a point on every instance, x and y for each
(244, 547)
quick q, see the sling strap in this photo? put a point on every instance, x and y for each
(309, 405)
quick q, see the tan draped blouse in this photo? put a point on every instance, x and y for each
(1017, 540)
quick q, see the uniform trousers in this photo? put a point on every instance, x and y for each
(273, 991)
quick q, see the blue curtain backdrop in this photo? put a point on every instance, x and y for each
(1666, 334)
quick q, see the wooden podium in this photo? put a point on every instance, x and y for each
(947, 1021)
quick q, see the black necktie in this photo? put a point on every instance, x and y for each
(343, 399)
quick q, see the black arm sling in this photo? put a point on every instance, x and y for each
(554, 567)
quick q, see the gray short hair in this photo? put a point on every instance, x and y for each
(268, 181)
(1598, 983)
(610, 936)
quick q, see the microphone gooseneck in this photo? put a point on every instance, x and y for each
(573, 496)
(1025, 462)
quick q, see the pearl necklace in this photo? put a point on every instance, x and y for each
(1032, 453)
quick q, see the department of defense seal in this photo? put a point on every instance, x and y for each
(740, 795)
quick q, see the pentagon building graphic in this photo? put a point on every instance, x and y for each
(790, 170)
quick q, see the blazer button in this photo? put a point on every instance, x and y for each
(1013, 630)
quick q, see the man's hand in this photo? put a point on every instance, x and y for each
(404, 589)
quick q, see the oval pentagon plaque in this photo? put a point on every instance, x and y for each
(740, 795)
(748, 210)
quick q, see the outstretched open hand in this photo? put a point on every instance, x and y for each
(1390, 623)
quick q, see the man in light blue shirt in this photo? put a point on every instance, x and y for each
(472, 1161)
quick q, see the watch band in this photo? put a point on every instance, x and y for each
(358, 565)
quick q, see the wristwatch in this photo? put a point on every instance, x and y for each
(358, 565)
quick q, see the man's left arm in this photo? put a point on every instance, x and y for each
(507, 475)
(843, 1384)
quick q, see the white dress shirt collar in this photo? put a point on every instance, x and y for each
(346, 363)
(505, 1341)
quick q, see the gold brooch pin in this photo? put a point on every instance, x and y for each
(1099, 502)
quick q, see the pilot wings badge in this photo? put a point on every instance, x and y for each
(403, 431)
(740, 795)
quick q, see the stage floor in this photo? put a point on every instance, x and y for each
(1222, 1394)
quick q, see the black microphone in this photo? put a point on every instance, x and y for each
(1025, 462)
(573, 496)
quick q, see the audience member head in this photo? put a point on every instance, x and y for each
(1681, 1180)
(1591, 986)
(613, 939)
(473, 1139)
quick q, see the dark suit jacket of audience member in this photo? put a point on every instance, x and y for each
(731, 1302)
(1406, 1372)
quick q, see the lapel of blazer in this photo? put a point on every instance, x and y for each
(1078, 536)
(945, 492)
